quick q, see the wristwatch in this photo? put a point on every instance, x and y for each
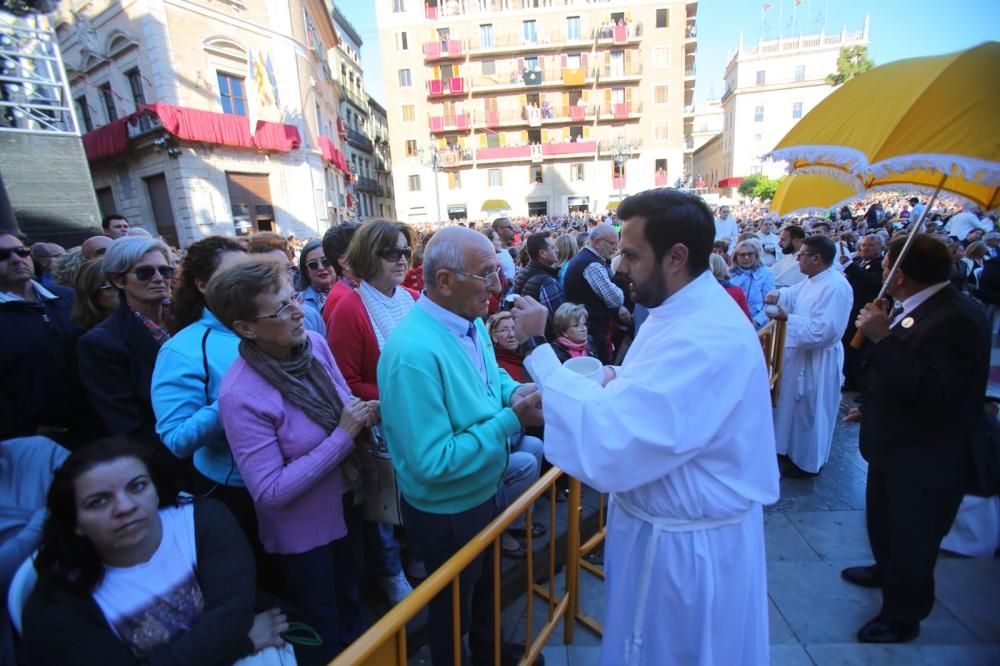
(529, 345)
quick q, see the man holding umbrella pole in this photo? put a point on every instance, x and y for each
(923, 382)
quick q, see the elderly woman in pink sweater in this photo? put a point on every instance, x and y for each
(291, 423)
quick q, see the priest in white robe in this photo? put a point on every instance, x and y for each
(681, 437)
(817, 310)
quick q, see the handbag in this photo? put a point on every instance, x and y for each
(381, 504)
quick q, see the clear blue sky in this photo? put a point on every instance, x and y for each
(898, 29)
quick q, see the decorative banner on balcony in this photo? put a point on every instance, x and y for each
(533, 78)
(261, 98)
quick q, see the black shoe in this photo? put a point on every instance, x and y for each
(864, 576)
(793, 471)
(882, 630)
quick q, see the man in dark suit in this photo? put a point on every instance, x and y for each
(864, 273)
(923, 383)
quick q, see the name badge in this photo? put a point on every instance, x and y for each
(907, 322)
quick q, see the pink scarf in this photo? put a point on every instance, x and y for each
(574, 348)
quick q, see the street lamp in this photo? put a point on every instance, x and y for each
(621, 152)
(430, 156)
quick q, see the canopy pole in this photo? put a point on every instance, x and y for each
(859, 338)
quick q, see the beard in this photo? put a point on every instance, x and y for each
(651, 293)
(789, 249)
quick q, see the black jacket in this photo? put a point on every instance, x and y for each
(530, 280)
(989, 282)
(865, 281)
(116, 360)
(578, 290)
(923, 389)
(66, 628)
(38, 364)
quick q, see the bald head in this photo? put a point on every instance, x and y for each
(95, 246)
(461, 272)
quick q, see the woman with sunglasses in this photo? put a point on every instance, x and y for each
(316, 276)
(361, 322)
(116, 357)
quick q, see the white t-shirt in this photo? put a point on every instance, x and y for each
(507, 263)
(149, 604)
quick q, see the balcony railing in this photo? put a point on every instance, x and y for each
(457, 121)
(618, 110)
(445, 87)
(618, 34)
(440, 50)
(366, 184)
(359, 140)
(611, 72)
(608, 147)
(352, 97)
(536, 151)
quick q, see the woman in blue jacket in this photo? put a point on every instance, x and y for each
(753, 277)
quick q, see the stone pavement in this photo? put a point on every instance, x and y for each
(816, 529)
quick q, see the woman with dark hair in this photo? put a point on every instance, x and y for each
(316, 276)
(117, 356)
(336, 240)
(96, 298)
(292, 422)
(270, 244)
(128, 575)
(186, 381)
(361, 323)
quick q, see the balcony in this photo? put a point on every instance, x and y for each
(619, 111)
(366, 184)
(613, 73)
(359, 141)
(354, 98)
(689, 73)
(446, 87)
(536, 152)
(606, 148)
(515, 43)
(457, 121)
(618, 34)
(442, 50)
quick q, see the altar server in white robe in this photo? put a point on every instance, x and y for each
(817, 310)
(682, 438)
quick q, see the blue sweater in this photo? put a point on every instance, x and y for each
(186, 401)
(447, 432)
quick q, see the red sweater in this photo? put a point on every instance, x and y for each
(738, 296)
(354, 345)
(339, 290)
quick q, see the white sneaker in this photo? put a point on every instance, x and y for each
(396, 587)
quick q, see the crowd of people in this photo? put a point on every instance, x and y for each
(279, 384)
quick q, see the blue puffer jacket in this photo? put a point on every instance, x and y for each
(755, 283)
(185, 392)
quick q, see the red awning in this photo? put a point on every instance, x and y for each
(332, 155)
(734, 181)
(106, 141)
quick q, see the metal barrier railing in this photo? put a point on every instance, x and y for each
(384, 644)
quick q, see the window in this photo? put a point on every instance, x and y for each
(662, 94)
(576, 133)
(404, 78)
(800, 73)
(489, 67)
(135, 84)
(538, 208)
(398, 6)
(572, 27)
(231, 94)
(617, 95)
(411, 147)
(535, 174)
(761, 78)
(661, 57)
(454, 180)
(414, 183)
(529, 32)
(617, 63)
(661, 131)
(534, 136)
(402, 43)
(574, 61)
(662, 18)
(796, 109)
(577, 172)
(83, 110)
(758, 114)
(108, 99)
(531, 64)
(486, 36)
(493, 140)
(409, 113)
(496, 180)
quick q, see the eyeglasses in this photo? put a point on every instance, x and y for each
(392, 254)
(21, 251)
(145, 273)
(485, 279)
(285, 312)
(807, 254)
(316, 263)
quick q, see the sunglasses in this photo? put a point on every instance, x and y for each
(23, 252)
(145, 273)
(316, 263)
(392, 254)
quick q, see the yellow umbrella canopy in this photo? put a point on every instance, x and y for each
(914, 121)
(494, 205)
(804, 192)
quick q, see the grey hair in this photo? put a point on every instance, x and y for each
(755, 245)
(440, 254)
(124, 253)
(718, 266)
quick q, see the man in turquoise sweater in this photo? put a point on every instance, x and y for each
(448, 411)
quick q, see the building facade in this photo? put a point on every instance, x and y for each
(163, 89)
(769, 87)
(524, 105)
(385, 203)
